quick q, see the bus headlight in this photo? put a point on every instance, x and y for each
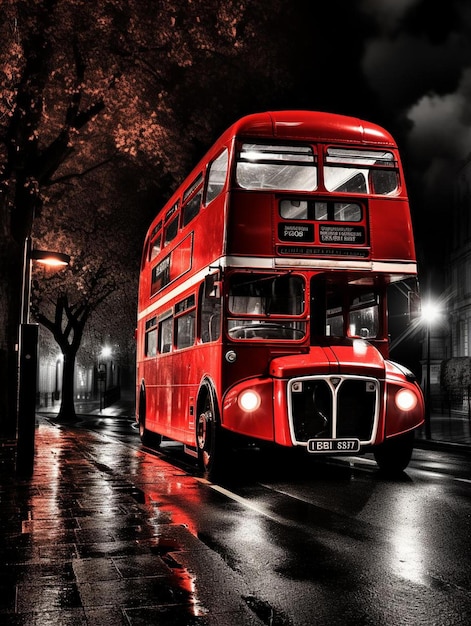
(249, 400)
(406, 400)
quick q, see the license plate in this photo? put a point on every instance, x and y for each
(333, 445)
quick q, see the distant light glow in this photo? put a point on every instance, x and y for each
(252, 155)
(106, 352)
(430, 312)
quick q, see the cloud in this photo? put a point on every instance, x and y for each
(442, 124)
(387, 13)
(417, 60)
(440, 137)
(404, 68)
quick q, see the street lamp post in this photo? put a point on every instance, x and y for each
(28, 359)
(428, 428)
(105, 354)
(430, 313)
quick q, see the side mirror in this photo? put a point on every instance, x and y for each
(212, 286)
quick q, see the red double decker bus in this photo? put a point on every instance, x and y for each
(263, 295)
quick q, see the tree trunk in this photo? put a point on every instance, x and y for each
(67, 408)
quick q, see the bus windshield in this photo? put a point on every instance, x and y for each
(289, 168)
(360, 171)
(261, 305)
(359, 319)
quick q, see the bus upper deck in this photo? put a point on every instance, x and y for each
(307, 189)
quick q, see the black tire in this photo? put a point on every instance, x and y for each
(394, 455)
(210, 438)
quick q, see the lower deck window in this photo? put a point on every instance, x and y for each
(185, 330)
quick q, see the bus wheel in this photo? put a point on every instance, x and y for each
(393, 455)
(209, 437)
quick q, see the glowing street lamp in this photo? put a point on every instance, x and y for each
(28, 359)
(50, 259)
(430, 314)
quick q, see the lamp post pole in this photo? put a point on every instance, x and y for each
(430, 315)
(428, 430)
(28, 367)
(28, 361)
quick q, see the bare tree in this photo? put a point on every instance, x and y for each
(68, 323)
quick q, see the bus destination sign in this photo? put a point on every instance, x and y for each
(296, 232)
(342, 234)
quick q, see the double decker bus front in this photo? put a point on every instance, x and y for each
(318, 233)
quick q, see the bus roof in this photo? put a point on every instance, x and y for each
(313, 125)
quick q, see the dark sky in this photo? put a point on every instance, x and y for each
(417, 62)
(403, 64)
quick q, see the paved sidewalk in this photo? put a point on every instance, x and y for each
(448, 432)
(78, 547)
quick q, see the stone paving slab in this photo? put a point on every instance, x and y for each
(76, 548)
(85, 541)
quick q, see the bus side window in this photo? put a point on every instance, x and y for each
(151, 338)
(160, 275)
(217, 172)
(210, 316)
(185, 317)
(185, 330)
(191, 208)
(384, 182)
(171, 230)
(192, 200)
(155, 247)
(165, 335)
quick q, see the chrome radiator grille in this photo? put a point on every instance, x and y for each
(333, 407)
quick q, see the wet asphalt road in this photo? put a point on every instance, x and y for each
(314, 541)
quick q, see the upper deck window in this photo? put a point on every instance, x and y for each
(171, 224)
(171, 230)
(155, 246)
(217, 172)
(192, 200)
(279, 167)
(360, 171)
